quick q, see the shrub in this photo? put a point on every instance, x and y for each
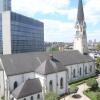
(2, 97)
(98, 96)
(92, 83)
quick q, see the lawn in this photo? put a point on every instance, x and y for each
(75, 84)
(91, 94)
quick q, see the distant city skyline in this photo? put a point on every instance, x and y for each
(59, 17)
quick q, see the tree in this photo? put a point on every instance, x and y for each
(98, 61)
(51, 96)
(92, 83)
(98, 46)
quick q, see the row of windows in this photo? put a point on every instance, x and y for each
(24, 19)
(26, 28)
(80, 71)
(61, 84)
(31, 98)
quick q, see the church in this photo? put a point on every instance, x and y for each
(29, 76)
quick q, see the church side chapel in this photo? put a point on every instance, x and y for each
(28, 76)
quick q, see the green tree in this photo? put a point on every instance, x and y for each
(92, 83)
(98, 61)
(51, 96)
(98, 46)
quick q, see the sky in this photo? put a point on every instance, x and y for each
(59, 17)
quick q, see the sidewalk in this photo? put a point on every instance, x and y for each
(82, 88)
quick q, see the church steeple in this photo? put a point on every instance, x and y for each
(80, 41)
(80, 14)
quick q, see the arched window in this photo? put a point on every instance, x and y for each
(51, 85)
(74, 73)
(90, 68)
(86, 70)
(31, 98)
(38, 96)
(61, 83)
(15, 85)
(24, 99)
(80, 71)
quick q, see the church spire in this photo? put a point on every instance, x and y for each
(80, 41)
(80, 14)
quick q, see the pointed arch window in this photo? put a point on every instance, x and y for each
(24, 99)
(91, 68)
(38, 96)
(61, 83)
(15, 84)
(80, 71)
(86, 70)
(51, 85)
(74, 73)
(31, 98)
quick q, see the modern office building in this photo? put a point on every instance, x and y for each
(20, 34)
(5, 5)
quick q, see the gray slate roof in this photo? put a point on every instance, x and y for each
(1, 68)
(72, 57)
(30, 62)
(50, 66)
(28, 88)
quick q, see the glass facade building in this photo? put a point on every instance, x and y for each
(5, 5)
(27, 34)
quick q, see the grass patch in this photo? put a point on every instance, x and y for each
(73, 85)
(92, 94)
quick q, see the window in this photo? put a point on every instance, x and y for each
(38, 96)
(15, 85)
(61, 83)
(31, 98)
(80, 71)
(74, 73)
(85, 70)
(90, 68)
(51, 85)
(24, 99)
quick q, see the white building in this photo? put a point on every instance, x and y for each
(54, 72)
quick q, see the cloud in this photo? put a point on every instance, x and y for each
(57, 30)
(92, 11)
(30, 7)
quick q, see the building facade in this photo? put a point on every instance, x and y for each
(54, 72)
(5, 5)
(20, 34)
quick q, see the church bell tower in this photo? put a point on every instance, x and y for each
(80, 41)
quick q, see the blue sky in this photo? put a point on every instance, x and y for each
(59, 17)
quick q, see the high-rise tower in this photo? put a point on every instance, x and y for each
(5, 5)
(80, 41)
